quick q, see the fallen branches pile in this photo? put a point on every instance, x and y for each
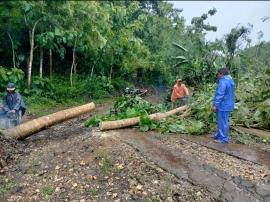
(132, 110)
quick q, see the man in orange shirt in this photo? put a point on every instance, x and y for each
(179, 92)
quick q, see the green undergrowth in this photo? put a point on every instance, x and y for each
(39, 106)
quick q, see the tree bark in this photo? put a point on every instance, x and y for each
(73, 63)
(93, 67)
(72, 67)
(107, 125)
(252, 131)
(30, 60)
(41, 62)
(13, 52)
(111, 71)
(50, 62)
(27, 129)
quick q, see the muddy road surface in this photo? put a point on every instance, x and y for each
(69, 162)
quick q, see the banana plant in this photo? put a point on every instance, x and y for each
(182, 59)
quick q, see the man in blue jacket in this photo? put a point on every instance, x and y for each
(13, 104)
(223, 104)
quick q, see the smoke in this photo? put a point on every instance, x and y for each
(8, 121)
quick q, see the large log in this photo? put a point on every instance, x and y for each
(107, 125)
(26, 129)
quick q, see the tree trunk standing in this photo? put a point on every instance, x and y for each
(93, 67)
(50, 63)
(32, 43)
(110, 76)
(30, 60)
(73, 65)
(256, 55)
(41, 62)
(111, 70)
(13, 52)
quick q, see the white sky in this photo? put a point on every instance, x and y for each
(229, 14)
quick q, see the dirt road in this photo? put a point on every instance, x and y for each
(69, 162)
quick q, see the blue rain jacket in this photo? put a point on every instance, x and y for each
(13, 101)
(224, 96)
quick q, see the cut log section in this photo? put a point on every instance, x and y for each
(28, 128)
(108, 125)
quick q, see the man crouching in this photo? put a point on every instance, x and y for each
(13, 107)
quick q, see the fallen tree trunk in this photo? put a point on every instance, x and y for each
(28, 128)
(107, 125)
(187, 113)
(252, 131)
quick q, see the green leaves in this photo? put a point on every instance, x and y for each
(267, 71)
(253, 101)
(145, 123)
(7, 75)
(93, 121)
(133, 106)
(180, 47)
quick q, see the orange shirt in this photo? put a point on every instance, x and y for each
(179, 92)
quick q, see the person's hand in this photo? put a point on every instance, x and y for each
(213, 109)
(12, 111)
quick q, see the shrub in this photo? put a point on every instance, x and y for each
(14, 75)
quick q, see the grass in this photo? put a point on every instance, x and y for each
(92, 191)
(168, 186)
(47, 190)
(105, 163)
(40, 106)
(36, 162)
(7, 187)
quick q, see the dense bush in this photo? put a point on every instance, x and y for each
(14, 75)
(253, 100)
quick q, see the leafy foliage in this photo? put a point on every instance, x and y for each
(41, 87)
(133, 106)
(253, 101)
(14, 75)
(201, 103)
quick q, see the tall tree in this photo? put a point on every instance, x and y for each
(231, 40)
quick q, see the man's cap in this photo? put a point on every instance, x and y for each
(11, 86)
